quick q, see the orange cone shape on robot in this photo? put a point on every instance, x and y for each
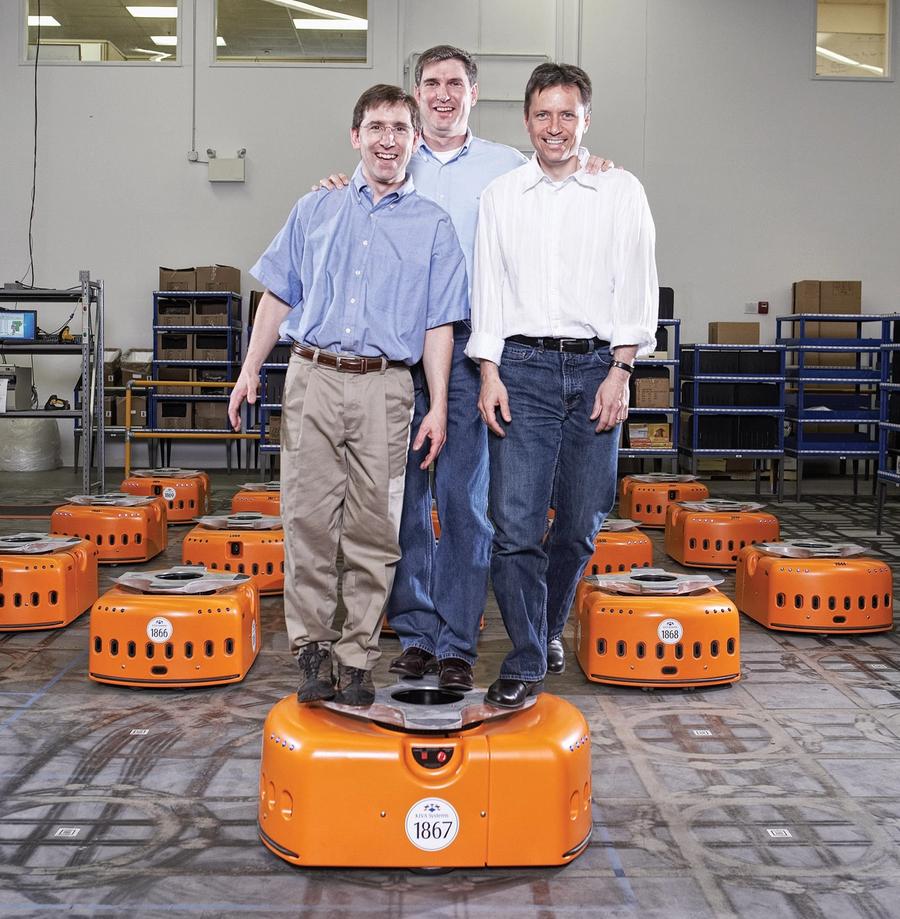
(646, 498)
(811, 586)
(46, 581)
(711, 534)
(185, 491)
(180, 627)
(248, 543)
(490, 788)
(653, 628)
(125, 528)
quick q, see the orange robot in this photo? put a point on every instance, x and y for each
(248, 543)
(645, 498)
(652, 628)
(46, 581)
(185, 491)
(809, 586)
(711, 534)
(258, 497)
(125, 528)
(425, 778)
(180, 627)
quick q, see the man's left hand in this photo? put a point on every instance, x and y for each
(597, 164)
(611, 401)
(433, 427)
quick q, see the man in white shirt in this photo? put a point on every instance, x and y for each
(565, 296)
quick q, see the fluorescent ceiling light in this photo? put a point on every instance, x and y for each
(42, 21)
(220, 42)
(840, 59)
(342, 25)
(167, 40)
(309, 8)
(153, 12)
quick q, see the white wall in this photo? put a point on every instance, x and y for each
(756, 174)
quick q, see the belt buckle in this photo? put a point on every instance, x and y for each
(574, 343)
(337, 362)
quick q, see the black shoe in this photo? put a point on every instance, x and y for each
(317, 683)
(413, 663)
(354, 687)
(512, 693)
(556, 656)
(456, 674)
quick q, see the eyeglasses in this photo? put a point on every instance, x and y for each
(378, 130)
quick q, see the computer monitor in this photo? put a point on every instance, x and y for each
(18, 325)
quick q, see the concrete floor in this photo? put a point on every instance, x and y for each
(687, 785)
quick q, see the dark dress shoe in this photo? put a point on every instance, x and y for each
(556, 656)
(512, 693)
(413, 663)
(455, 674)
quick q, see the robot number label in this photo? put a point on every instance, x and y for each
(159, 629)
(670, 631)
(169, 493)
(432, 824)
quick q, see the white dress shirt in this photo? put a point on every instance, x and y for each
(570, 259)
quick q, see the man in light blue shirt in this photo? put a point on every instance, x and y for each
(366, 281)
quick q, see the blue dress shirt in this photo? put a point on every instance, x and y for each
(457, 186)
(363, 278)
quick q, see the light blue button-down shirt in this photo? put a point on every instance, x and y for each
(457, 185)
(364, 278)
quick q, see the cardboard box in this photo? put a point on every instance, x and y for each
(652, 391)
(109, 411)
(112, 369)
(273, 429)
(213, 311)
(174, 311)
(177, 278)
(655, 435)
(212, 375)
(806, 297)
(211, 415)
(255, 297)
(135, 365)
(211, 346)
(174, 415)
(183, 374)
(734, 333)
(840, 297)
(138, 411)
(219, 277)
(175, 346)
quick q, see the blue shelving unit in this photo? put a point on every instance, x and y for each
(855, 406)
(271, 385)
(889, 424)
(719, 380)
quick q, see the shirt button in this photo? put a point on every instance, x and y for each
(353, 299)
(357, 272)
(348, 330)
(365, 242)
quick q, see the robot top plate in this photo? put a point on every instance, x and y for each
(165, 472)
(181, 579)
(261, 486)
(421, 706)
(245, 520)
(36, 543)
(653, 582)
(113, 499)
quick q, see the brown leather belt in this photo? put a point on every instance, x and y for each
(344, 363)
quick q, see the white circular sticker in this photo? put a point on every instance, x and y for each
(670, 631)
(432, 824)
(169, 493)
(253, 635)
(159, 629)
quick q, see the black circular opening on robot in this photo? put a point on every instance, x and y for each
(29, 537)
(179, 576)
(811, 545)
(245, 516)
(427, 696)
(654, 578)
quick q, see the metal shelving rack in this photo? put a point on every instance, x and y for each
(231, 329)
(89, 294)
(695, 376)
(276, 364)
(672, 410)
(889, 356)
(863, 378)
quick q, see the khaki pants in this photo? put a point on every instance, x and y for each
(344, 441)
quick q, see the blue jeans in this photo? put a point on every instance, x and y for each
(440, 588)
(551, 448)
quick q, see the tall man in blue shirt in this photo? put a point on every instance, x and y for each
(440, 590)
(366, 281)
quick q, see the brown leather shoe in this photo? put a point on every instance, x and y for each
(413, 663)
(455, 674)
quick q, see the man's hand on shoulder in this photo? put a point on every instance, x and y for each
(333, 182)
(597, 164)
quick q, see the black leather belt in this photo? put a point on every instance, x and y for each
(344, 363)
(573, 345)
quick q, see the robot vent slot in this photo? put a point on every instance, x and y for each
(98, 644)
(730, 646)
(641, 650)
(159, 670)
(670, 671)
(114, 646)
(53, 597)
(17, 599)
(282, 567)
(192, 503)
(839, 619)
(601, 646)
(150, 650)
(241, 568)
(254, 568)
(124, 539)
(659, 509)
(188, 649)
(229, 646)
(169, 650)
(697, 650)
(692, 542)
(660, 650)
(138, 538)
(621, 649)
(208, 648)
(679, 651)
(714, 648)
(2, 600)
(36, 598)
(270, 568)
(131, 649)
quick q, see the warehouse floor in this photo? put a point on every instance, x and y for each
(687, 785)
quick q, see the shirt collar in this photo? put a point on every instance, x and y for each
(424, 148)
(533, 175)
(358, 183)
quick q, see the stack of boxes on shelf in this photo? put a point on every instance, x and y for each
(197, 329)
(118, 368)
